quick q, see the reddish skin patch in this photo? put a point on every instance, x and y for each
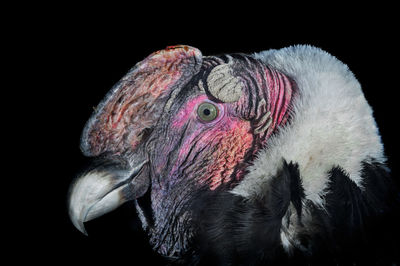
(177, 47)
(280, 94)
(133, 103)
(144, 97)
(189, 111)
(233, 143)
(231, 135)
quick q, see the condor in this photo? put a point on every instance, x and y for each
(273, 157)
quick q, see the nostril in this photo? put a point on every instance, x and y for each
(146, 133)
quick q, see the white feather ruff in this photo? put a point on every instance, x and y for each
(332, 124)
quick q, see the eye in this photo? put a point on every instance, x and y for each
(207, 112)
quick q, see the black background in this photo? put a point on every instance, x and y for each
(75, 57)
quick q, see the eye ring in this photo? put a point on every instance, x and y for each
(207, 112)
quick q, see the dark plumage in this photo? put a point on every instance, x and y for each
(236, 231)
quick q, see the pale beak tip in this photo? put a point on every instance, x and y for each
(82, 229)
(79, 225)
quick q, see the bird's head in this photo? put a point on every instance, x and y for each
(178, 124)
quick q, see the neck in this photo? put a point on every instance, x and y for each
(331, 124)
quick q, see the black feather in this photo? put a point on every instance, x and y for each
(233, 230)
(353, 228)
(357, 225)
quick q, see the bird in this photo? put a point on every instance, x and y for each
(270, 158)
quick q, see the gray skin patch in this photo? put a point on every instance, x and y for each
(223, 85)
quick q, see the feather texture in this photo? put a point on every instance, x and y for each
(331, 124)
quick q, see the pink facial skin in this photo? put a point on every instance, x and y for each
(234, 141)
(188, 111)
(280, 94)
(228, 137)
(241, 128)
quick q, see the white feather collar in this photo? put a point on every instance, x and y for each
(332, 124)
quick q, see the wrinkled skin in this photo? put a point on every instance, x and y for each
(193, 154)
(149, 134)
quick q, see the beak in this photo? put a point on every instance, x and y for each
(102, 190)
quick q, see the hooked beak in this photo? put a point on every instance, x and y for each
(100, 191)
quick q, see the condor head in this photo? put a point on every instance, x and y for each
(179, 125)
